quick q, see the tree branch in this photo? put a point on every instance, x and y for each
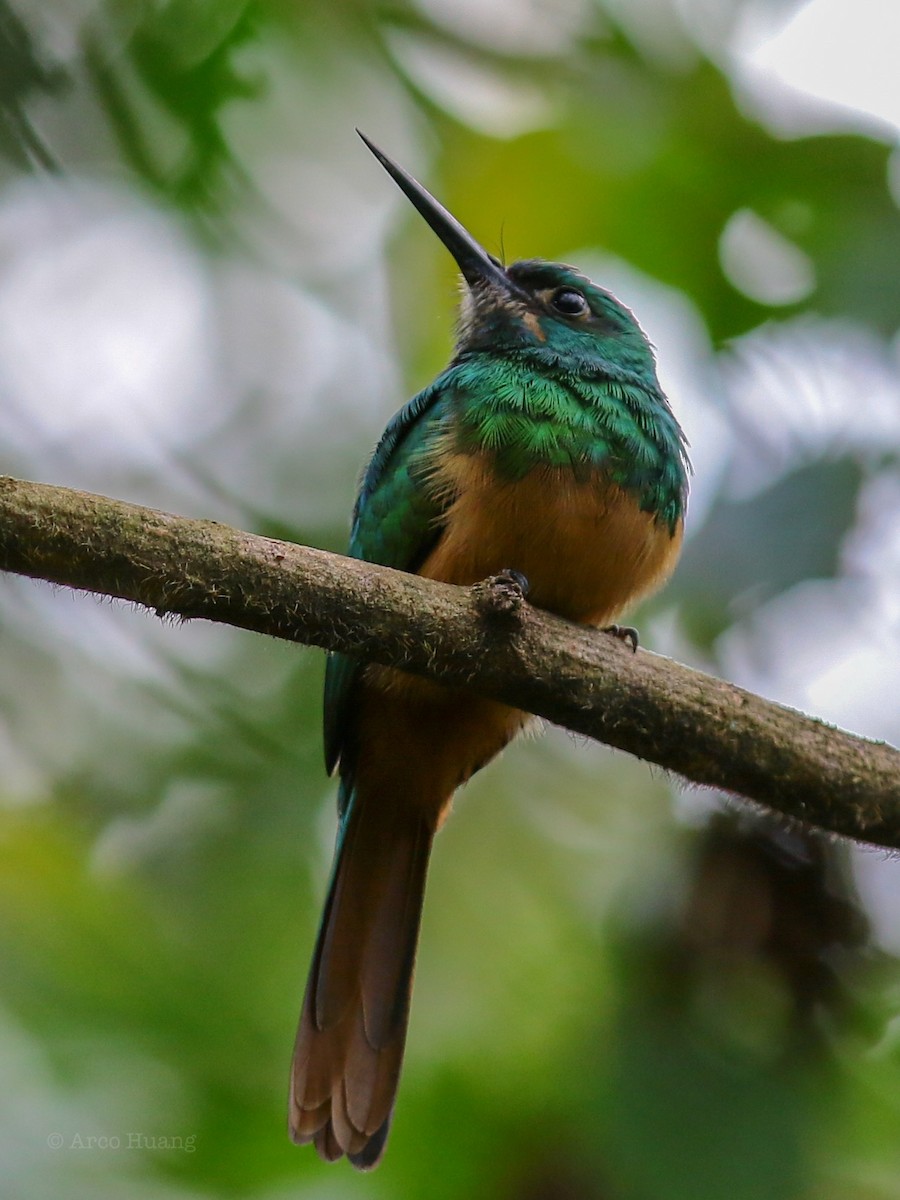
(703, 728)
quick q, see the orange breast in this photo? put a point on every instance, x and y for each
(586, 548)
(588, 552)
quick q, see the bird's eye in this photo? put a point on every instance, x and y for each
(569, 302)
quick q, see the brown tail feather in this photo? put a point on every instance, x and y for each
(352, 1031)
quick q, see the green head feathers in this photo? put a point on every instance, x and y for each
(552, 370)
(554, 308)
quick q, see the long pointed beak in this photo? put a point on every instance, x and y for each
(473, 260)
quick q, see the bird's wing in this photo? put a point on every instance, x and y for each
(396, 521)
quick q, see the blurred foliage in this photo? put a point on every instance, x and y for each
(206, 308)
(22, 71)
(180, 58)
(740, 568)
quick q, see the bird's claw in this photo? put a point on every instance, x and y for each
(624, 633)
(503, 594)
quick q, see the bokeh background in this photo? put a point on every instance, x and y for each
(211, 299)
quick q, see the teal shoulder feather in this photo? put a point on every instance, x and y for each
(396, 520)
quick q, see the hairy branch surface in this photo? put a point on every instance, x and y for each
(704, 729)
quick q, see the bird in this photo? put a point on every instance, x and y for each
(547, 449)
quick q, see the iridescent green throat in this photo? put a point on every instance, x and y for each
(530, 409)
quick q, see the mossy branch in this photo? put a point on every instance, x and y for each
(704, 729)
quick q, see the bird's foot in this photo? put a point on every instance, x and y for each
(501, 595)
(624, 633)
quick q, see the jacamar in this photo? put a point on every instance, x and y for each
(548, 447)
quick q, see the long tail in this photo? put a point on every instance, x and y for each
(352, 1031)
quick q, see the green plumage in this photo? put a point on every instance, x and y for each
(585, 398)
(552, 381)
